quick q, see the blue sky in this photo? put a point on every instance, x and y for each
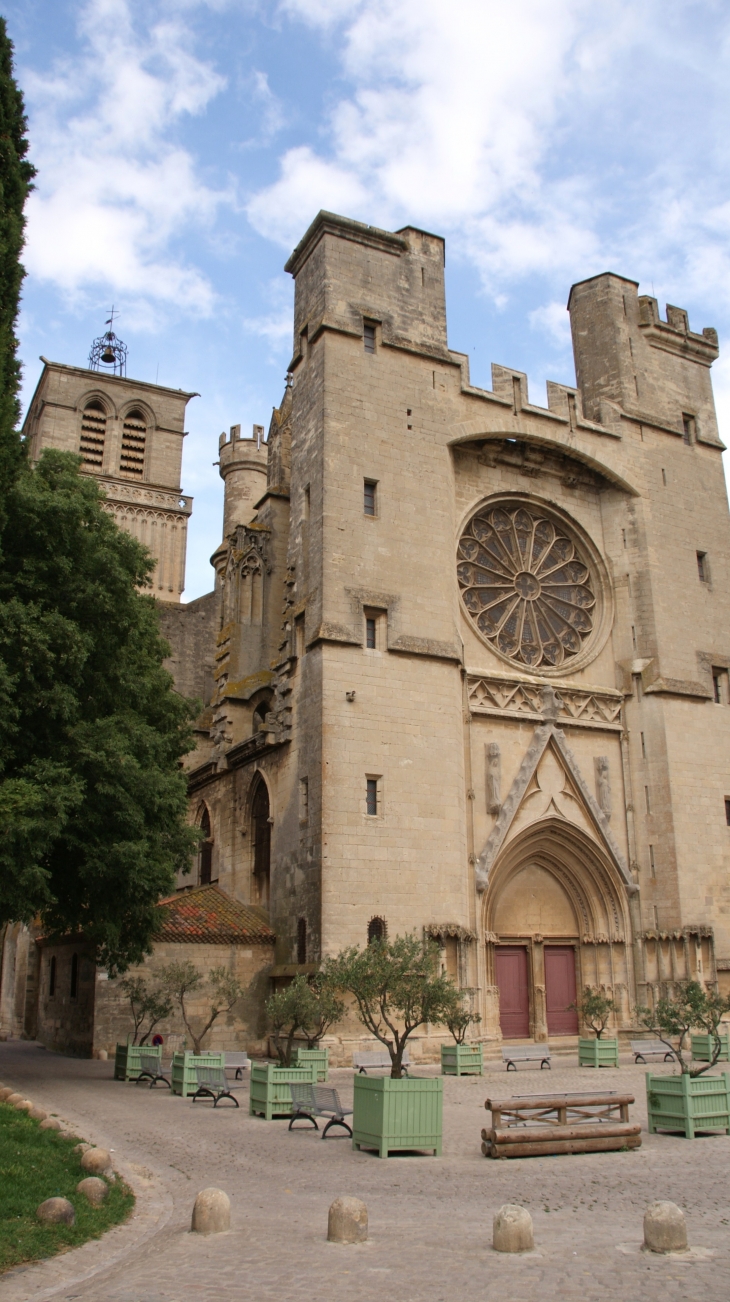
(183, 147)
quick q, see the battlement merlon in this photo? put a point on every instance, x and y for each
(627, 356)
(348, 274)
(242, 468)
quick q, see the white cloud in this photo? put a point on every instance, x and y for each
(113, 188)
(552, 320)
(552, 139)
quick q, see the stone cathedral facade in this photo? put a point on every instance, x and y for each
(465, 665)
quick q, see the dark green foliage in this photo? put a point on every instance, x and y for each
(691, 1008)
(35, 1165)
(92, 796)
(595, 1009)
(16, 175)
(307, 1006)
(396, 987)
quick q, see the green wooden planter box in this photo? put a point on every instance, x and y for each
(270, 1094)
(703, 1047)
(320, 1058)
(392, 1115)
(127, 1065)
(688, 1103)
(184, 1079)
(597, 1053)
(462, 1060)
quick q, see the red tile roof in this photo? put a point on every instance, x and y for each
(207, 916)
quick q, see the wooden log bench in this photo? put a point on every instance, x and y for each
(366, 1061)
(642, 1049)
(537, 1125)
(527, 1053)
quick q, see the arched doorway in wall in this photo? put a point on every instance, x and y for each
(555, 918)
(261, 841)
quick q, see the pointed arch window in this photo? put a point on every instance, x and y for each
(134, 438)
(206, 851)
(302, 941)
(93, 435)
(261, 828)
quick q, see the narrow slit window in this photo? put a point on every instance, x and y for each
(643, 746)
(134, 438)
(664, 477)
(74, 976)
(727, 816)
(93, 433)
(688, 429)
(702, 567)
(652, 866)
(371, 797)
(370, 632)
(302, 941)
(368, 337)
(717, 686)
(648, 801)
(52, 964)
(369, 496)
(633, 636)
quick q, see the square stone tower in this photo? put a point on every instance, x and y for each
(129, 435)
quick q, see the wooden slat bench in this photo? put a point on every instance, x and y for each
(537, 1125)
(214, 1084)
(527, 1053)
(366, 1061)
(652, 1048)
(310, 1101)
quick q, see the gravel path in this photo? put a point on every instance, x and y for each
(430, 1218)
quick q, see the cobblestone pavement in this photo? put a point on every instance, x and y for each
(430, 1218)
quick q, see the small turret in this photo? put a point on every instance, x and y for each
(243, 471)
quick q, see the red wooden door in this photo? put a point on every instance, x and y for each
(514, 1002)
(560, 990)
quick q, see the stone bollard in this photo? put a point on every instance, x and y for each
(37, 1114)
(82, 1147)
(12, 1099)
(56, 1211)
(512, 1230)
(211, 1212)
(665, 1229)
(5, 1093)
(25, 1105)
(347, 1221)
(96, 1161)
(94, 1189)
(50, 1123)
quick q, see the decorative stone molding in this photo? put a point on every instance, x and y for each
(452, 929)
(546, 733)
(504, 697)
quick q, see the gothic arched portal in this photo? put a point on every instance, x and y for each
(555, 919)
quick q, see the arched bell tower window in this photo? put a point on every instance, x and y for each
(134, 437)
(259, 715)
(93, 434)
(377, 930)
(206, 851)
(261, 829)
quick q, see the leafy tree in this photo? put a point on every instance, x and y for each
(459, 1018)
(307, 1006)
(396, 986)
(145, 1003)
(93, 801)
(692, 1007)
(595, 1009)
(16, 176)
(183, 980)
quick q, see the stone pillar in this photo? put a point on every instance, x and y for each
(539, 1003)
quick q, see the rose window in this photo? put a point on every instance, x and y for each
(525, 586)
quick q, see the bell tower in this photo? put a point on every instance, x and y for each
(129, 435)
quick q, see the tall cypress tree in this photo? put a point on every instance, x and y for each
(16, 176)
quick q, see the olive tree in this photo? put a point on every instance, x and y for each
(595, 1009)
(183, 980)
(307, 1006)
(397, 987)
(691, 1008)
(153, 1004)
